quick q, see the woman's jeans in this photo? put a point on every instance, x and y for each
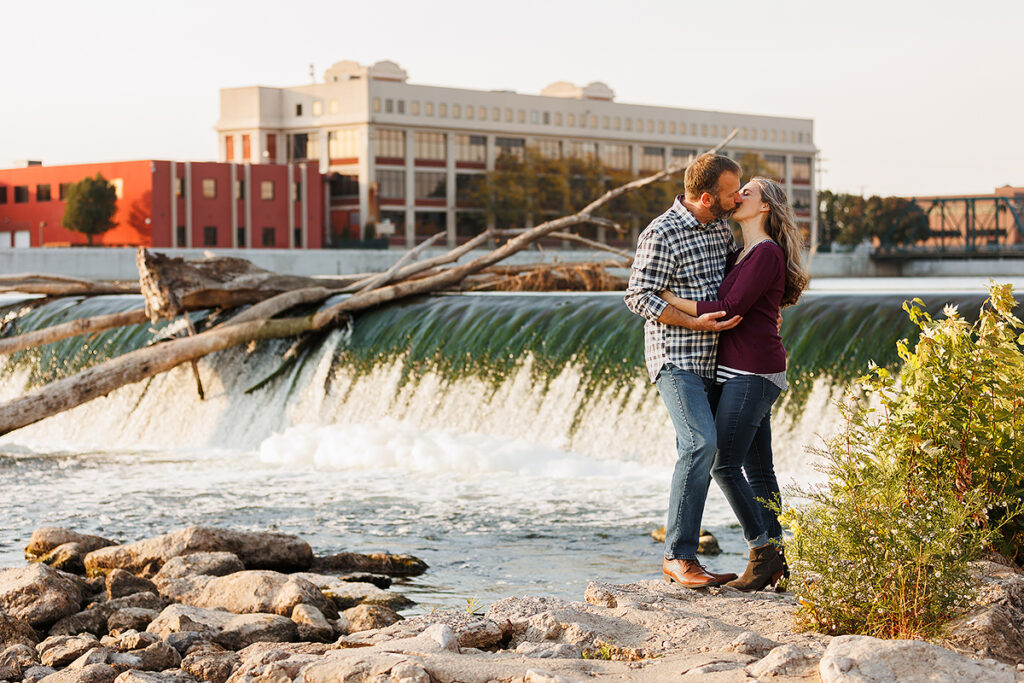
(743, 411)
(686, 396)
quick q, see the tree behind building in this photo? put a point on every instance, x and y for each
(90, 207)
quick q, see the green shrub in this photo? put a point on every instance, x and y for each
(926, 475)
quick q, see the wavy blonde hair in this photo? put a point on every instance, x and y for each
(780, 224)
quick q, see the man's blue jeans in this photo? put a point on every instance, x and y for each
(686, 396)
(743, 413)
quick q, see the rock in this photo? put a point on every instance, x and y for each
(68, 557)
(14, 631)
(131, 618)
(375, 563)
(784, 660)
(129, 640)
(256, 550)
(120, 583)
(473, 630)
(368, 617)
(345, 594)
(312, 624)
(539, 676)
(94, 673)
(15, 659)
(549, 650)
(263, 591)
(281, 665)
(378, 580)
(707, 544)
(157, 657)
(863, 659)
(750, 643)
(37, 673)
(119, 661)
(210, 564)
(229, 630)
(186, 641)
(187, 589)
(46, 539)
(39, 594)
(94, 619)
(58, 651)
(996, 628)
(172, 676)
(207, 664)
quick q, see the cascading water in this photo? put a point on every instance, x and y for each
(511, 440)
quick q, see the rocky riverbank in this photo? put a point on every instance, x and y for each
(204, 604)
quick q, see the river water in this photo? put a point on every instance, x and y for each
(511, 441)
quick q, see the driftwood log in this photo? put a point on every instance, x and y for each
(172, 286)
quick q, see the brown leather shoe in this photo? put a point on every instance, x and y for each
(691, 574)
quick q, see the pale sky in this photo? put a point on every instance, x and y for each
(907, 97)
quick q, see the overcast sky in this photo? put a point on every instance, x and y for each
(907, 97)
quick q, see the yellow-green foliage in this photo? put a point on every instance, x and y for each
(927, 474)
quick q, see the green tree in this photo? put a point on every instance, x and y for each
(90, 206)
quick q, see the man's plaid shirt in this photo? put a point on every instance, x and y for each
(677, 253)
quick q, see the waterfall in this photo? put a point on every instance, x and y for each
(556, 370)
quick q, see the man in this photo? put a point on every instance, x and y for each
(684, 250)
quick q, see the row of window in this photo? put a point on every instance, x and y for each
(473, 148)
(210, 234)
(536, 117)
(44, 193)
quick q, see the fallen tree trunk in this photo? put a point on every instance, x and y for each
(136, 366)
(57, 285)
(74, 328)
(171, 287)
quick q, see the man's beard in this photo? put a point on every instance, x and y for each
(718, 211)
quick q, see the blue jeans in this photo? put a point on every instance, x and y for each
(743, 411)
(686, 396)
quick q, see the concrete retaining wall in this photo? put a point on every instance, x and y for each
(119, 264)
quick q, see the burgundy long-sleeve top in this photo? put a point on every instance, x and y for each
(752, 288)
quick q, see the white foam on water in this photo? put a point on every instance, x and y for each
(390, 444)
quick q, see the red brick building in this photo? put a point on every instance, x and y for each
(172, 204)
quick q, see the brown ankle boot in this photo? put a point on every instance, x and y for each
(764, 568)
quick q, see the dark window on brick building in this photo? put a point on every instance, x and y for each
(3, 194)
(297, 236)
(63, 191)
(20, 194)
(210, 236)
(181, 236)
(43, 193)
(240, 236)
(268, 237)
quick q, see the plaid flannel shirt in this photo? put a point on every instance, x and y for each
(678, 253)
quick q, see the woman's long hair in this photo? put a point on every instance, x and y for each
(781, 227)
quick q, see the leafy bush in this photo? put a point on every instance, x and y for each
(926, 475)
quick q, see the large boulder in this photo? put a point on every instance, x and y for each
(257, 550)
(862, 659)
(39, 594)
(67, 557)
(186, 589)
(312, 624)
(367, 618)
(94, 673)
(266, 591)
(211, 564)
(131, 619)
(232, 631)
(46, 539)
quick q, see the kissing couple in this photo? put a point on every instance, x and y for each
(713, 349)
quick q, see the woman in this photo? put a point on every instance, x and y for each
(766, 275)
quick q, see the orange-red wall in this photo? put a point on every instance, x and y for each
(144, 212)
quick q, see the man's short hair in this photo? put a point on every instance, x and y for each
(703, 174)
